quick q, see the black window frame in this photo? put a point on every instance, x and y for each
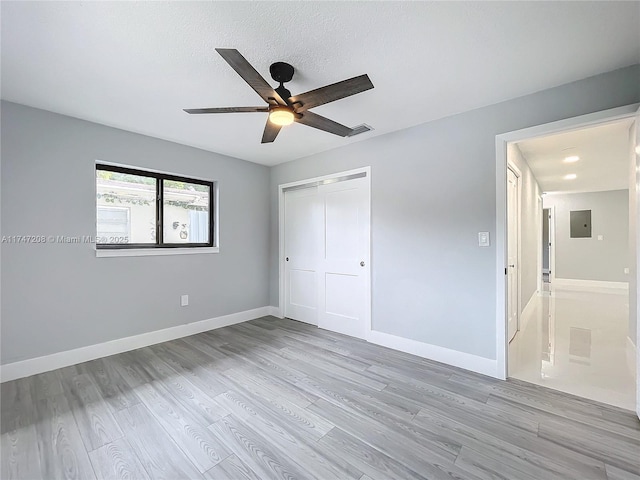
(160, 177)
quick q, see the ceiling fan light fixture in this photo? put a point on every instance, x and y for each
(281, 116)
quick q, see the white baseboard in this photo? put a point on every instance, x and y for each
(572, 282)
(275, 312)
(33, 366)
(474, 363)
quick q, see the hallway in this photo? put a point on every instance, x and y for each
(575, 340)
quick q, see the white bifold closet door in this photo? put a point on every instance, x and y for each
(327, 247)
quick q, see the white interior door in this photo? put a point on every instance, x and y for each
(343, 266)
(513, 211)
(302, 237)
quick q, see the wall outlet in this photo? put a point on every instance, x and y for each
(626, 270)
(184, 300)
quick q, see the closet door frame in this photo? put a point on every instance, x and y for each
(338, 176)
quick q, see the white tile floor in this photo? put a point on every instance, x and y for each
(575, 340)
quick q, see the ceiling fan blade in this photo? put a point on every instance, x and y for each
(271, 131)
(240, 64)
(332, 92)
(322, 123)
(227, 110)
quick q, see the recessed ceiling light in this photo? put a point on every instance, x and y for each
(571, 159)
(571, 176)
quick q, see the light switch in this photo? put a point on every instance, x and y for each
(184, 300)
(600, 237)
(483, 239)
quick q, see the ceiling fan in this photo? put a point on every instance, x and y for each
(283, 108)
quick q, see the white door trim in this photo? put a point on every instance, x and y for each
(511, 166)
(539, 214)
(502, 141)
(552, 241)
(281, 217)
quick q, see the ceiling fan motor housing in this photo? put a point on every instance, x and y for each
(281, 72)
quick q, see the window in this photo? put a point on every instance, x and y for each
(140, 209)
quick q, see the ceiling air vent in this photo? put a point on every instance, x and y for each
(360, 129)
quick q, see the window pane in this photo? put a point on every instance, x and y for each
(126, 208)
(186, 212)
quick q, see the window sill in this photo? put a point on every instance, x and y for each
(144, 252)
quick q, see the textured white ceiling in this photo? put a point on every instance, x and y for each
(604, 153)
(135, 65)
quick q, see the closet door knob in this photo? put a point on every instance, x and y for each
(362, 264)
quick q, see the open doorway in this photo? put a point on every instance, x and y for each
(576, 243)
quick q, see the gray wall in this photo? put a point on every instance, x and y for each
(529, 226)
(433, 190)
(590, 258)
(58, 297)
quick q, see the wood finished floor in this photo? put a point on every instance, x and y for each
(280, 399)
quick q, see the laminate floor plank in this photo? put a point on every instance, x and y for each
(199, 404)
(18, 404)
(277, 366)
(434, 463)
(538, 398)
(477, 413)
(374, 463)
(160, 456)
(280, 399)
(342, 359)
(197, 443)
(178, 357)
(423, 376)
(488, 468)
(62, 453)
(256, 452)
(133, 372)
(114, 390)
(19, 457)
(117, 461)
(285, 437)
(330, 368)
(219, 360)
(93, 417)
(46, 384)
(536, 415)
(594, 442)
(304, 420)
(280, 388)
(231, 468)
(615, 473)
(523, 451)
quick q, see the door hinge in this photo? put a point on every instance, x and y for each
(505, 270)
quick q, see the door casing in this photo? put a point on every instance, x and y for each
(518, 209)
